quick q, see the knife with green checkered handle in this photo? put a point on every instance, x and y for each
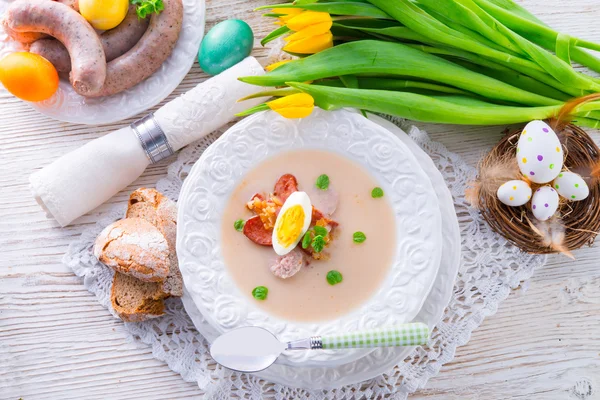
(412, 334)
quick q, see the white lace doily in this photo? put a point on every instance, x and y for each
(490, 268)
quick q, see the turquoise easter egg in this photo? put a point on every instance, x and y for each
(225, 45)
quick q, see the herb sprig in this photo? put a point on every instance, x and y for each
(359, 237)
(315, 238)
(322, 182)
(377, 193)
(334, 277)
(239, 225)
(260, 292)
(306, 240)
(318, 243)
(146, 7)
(322, 231)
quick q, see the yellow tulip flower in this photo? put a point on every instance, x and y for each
(311, 44)
(299, 105)
(307, 19)
(271, 67)
(312, 30)
(286, 14)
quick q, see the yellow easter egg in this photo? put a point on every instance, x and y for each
(104, 14)
(28, 76)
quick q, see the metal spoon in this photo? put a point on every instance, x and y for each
(253, 349)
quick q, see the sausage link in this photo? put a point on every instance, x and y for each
(285, 186)
(115, 42)
(289, 265)
(318, 215)
(121, 39)
(53, 51)
(74, 4)
(21, 37)
(67, 25)
(148, 54)
(30, 37)
(255, 230)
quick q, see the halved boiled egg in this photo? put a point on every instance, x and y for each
(292, 222)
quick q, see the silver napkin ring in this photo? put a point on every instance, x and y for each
(153, 139)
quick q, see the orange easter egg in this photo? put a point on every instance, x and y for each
(28, 76)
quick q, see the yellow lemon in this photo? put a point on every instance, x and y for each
(104, 14)
(28, 76)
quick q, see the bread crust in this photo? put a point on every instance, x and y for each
(135, 247)
(160, 211)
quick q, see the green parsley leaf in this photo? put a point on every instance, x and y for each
(146, 7)
(359, 237)
(323, 182)
(306, 240)
(377, 193)
(260, 292)
(318, 243)
(239, 225)
(319, 230)
(334, 277)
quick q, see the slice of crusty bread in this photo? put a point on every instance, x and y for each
(135, 247)
(160, 211)
(136, 301)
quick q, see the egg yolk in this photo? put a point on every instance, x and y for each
(290, 227)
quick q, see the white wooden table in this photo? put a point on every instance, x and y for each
(57, 342)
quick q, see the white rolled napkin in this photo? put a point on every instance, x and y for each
(87, 177)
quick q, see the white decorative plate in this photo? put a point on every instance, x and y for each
(383, 360)
(68, 106)
(214, 177)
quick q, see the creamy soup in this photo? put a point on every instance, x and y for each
(307, 296)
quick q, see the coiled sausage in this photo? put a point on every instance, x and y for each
(115, 42)
(148, 54)
(30, 37)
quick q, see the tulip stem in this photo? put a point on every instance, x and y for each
(253, 110)
(275, 34)
(347, 17)
(271, 93)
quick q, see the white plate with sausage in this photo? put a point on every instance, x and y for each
(134, 51)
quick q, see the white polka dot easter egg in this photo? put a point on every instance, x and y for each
(544, 203)
(539, 153)
(571, 186)
(514, 193)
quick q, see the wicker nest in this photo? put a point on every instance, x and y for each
(574, 225)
